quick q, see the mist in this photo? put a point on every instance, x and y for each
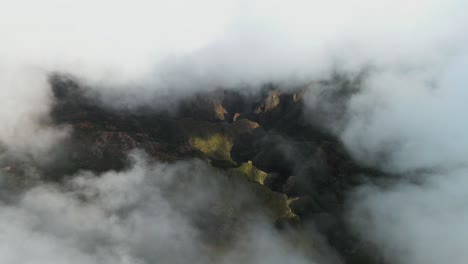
(407, 117)
(148, 213)
(137, 52)
(416, 223)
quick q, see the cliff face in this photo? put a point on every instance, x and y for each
(300, 172)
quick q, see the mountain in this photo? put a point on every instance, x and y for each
(299, 172)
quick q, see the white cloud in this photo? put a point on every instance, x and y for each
(146, 214)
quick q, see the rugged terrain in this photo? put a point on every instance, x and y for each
(300, 173)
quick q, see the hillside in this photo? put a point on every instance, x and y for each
(299, 174)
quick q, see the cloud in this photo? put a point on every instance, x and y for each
(167, 213)
(139, 51)
(416, 223)
(410, 123)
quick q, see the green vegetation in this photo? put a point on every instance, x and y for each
(277, 203)
(216, 146)
(251, 172)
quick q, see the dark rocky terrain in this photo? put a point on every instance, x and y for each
(299, 171)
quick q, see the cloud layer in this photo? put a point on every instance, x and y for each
(145, 49)
(149, 213)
